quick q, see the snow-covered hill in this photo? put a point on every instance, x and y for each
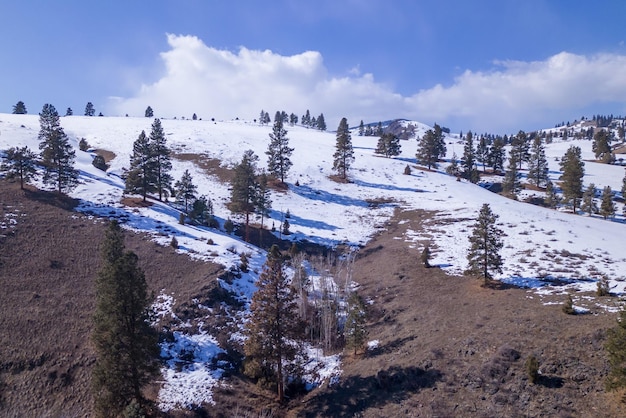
(540, 243)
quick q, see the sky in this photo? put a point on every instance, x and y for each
(493, 66)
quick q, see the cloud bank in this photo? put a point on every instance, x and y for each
(513, 95)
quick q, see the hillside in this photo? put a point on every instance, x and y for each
(431, 330)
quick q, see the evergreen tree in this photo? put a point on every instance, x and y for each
(623, 189)
(344, 153)
(361, 128)
(379, 129)
(573, 169)
(126, 346)
(552, 199)
(19, 108)
(425, 256)
(469, 159)
(293, 119)
(69, 112)
(57, 155)
(453, 169)
(263, 201)
(89, 109)
(485, 245)
(607, 207)
(440, 142)
(20, 163)
(306, 119)
(601, 146)
(427, 152)
(482, 151)
(202, 211)
(321, 123)
(496, 156)
(588, 203)
(278, 152)
(388, 145)
(538, 164)
(162, 160)
(354, 330)
(244, 187)
(616, 350)
(520, 147)
(140, 178)
(512, 184)
(194, 117)
(149, 112)
(186, 190)
(274, 328)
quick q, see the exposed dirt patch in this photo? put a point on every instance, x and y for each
(107, 155)
(135, 202)
(211, 166)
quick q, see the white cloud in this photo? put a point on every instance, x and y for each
(514, 95)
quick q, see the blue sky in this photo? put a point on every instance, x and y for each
(484, 65)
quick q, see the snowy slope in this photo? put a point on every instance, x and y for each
(540, 242)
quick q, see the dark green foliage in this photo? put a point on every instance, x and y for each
(470, 172)
(160, 154)
(573, 169)
(407, 170)
(588, 203)
(453, 169)
(243, 262)
(607, 206)
(361, 128)
(538, 164)
(388, 145)
(482, 151)
(274, 329)
(286, 226)
(186, 190)
(181, 218)
(125, 344)
(19, 108)
(69, 112)
(496, 156)
(244, 187)
(229, 226)
(520, 147)
(321, 123)
(202, 212)
(568, 306)
(20, 163)
(552, 199)
(425, 256)
(149, 112)
(89, 109)
(174, 241)
(616, 350)
(57, 155)
(512, 184)
(83, 145)
(99, 163)
(601, 145)
(263, 201)
(427, 150)
(278, 152)
(140, 177)
(344, 153)
(532, 369)
(354, 330)
(485, 245)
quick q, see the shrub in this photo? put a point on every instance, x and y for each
(174, 243)
(99, 163)
(568, 306)
(83, 145)
(229, 226)
(532, 369)
(243, 265)
(407, 170)
(181, 218)
(286, 227)
(210, 241)
(603, 287)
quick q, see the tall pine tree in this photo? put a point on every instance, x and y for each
(388, 145)
(354, 330)
(127, 350)
(538, 164)
(274, 328)
(607, 206)
(19, 108)
(20, 163)
(244, 188)
(141, 176)
(485, 245)
(162, 160)
(57, 155)
(573, 169)
(344, 153)
(512, 184)
(278, 152)
(185, 190)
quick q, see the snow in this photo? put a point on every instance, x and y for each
(548, 251)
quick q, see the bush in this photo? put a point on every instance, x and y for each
(181, 218)
(286, 227)
(99, 163)
(532, 369)
(603, 287)
(243, 265)
(83, 145)
(174, 243)
(210, 241)
(407, 170)
(568, 306)
(229, 226)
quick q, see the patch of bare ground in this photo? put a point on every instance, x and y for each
(48, 261)
(211, 166)
(449, 346)
(107, 155)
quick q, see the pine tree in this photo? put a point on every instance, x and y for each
(244, 187)
(623, 189)
(607, 207)
(485, 245)
(520, 147)
(274, 328)
(512, 184)
(344, 153)
(20, 163)
(293, 119)
(496, 156)
(162, 160)
(388, 145)
(469, 159)
(141, 176)
(616, 350)
(202, 211)
(262, 202)
(482, 151)
(19, 108)
(601, 146)
(572, 178)
(453, 169)
(126, 346)
(149, 112)
(379, 129)
(321, 123)
(69, 111)
(278, 152)
(427, 150)
(89, 109)
(588, 203)
(552, 199)
(57, 155)
(306, 119)
(361, 128)
(354, 329)
(538, 164)
(440, 142)
(186, 190)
